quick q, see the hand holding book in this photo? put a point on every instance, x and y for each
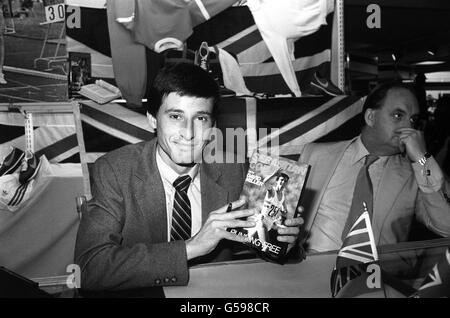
(215, 229)
(290, 230)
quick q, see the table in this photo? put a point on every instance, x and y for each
(404, 267)
(259, 279)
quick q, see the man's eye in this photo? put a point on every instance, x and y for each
(202, 118)
(397, 116)
(174, 116)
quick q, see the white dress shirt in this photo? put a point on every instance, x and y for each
(168, 176)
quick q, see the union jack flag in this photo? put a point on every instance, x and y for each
(437, 283)
(357, 269)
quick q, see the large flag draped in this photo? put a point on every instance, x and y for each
(233, 30)
(357, 271)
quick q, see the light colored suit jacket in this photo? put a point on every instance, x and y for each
(122, 238)
(398, 200)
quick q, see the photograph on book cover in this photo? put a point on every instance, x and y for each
(272, 187)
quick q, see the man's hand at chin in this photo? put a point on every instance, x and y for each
(412, 142)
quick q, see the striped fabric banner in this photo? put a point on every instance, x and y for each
(314, 125)
(116, 121)
(55, 134)
(110, 126)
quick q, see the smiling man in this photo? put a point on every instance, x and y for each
(156, 207)
(387, 167)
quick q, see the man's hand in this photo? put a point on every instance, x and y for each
(290, 232)
(413, 142)
(215, 229)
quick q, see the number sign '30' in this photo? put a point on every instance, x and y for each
(55, 13)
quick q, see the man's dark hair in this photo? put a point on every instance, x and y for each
(184, 79)
(283, 175)
(377, 96)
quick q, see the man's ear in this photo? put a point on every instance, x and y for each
(152, 122)
(369, 117)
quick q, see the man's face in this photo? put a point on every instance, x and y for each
(182, 124)
(280, 183)
(395, 113)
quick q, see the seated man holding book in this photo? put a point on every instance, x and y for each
(156, 207)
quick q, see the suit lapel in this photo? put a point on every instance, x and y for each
(149, 193)
(321, 180)
(214, 195)
(392, 181)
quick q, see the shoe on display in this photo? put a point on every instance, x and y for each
(321, 86)
(202, 56)
(12, 161)
(29, 169)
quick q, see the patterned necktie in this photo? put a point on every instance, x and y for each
(181, 216)
(363, 193)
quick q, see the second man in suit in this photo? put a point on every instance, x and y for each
(405, 182)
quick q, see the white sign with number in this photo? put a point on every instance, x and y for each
(55, 13)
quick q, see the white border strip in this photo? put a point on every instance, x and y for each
(300, 64)
(203, 10)
(39, 119)
(65, 155)
(237, 36)
(34, 73)
(252, 137)
(95, 4)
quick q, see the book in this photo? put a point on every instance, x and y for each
(100, 92)
(273, 187)
(79, 73)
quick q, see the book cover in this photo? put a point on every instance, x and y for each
(79, 73)
(273, 187)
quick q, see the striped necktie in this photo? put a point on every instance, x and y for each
(363, 192)
(181, 216)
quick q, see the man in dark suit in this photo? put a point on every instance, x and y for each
(406, 181)
(156, 206)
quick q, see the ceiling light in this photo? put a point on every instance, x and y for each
(429, 63)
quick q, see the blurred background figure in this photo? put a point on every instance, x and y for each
(419, 86)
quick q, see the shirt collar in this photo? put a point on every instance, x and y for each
(168, 174)
(358, 149)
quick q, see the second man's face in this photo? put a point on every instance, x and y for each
(399, 106)
(183, 126)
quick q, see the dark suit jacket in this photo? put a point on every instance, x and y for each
(122, 238)
(397, 202)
